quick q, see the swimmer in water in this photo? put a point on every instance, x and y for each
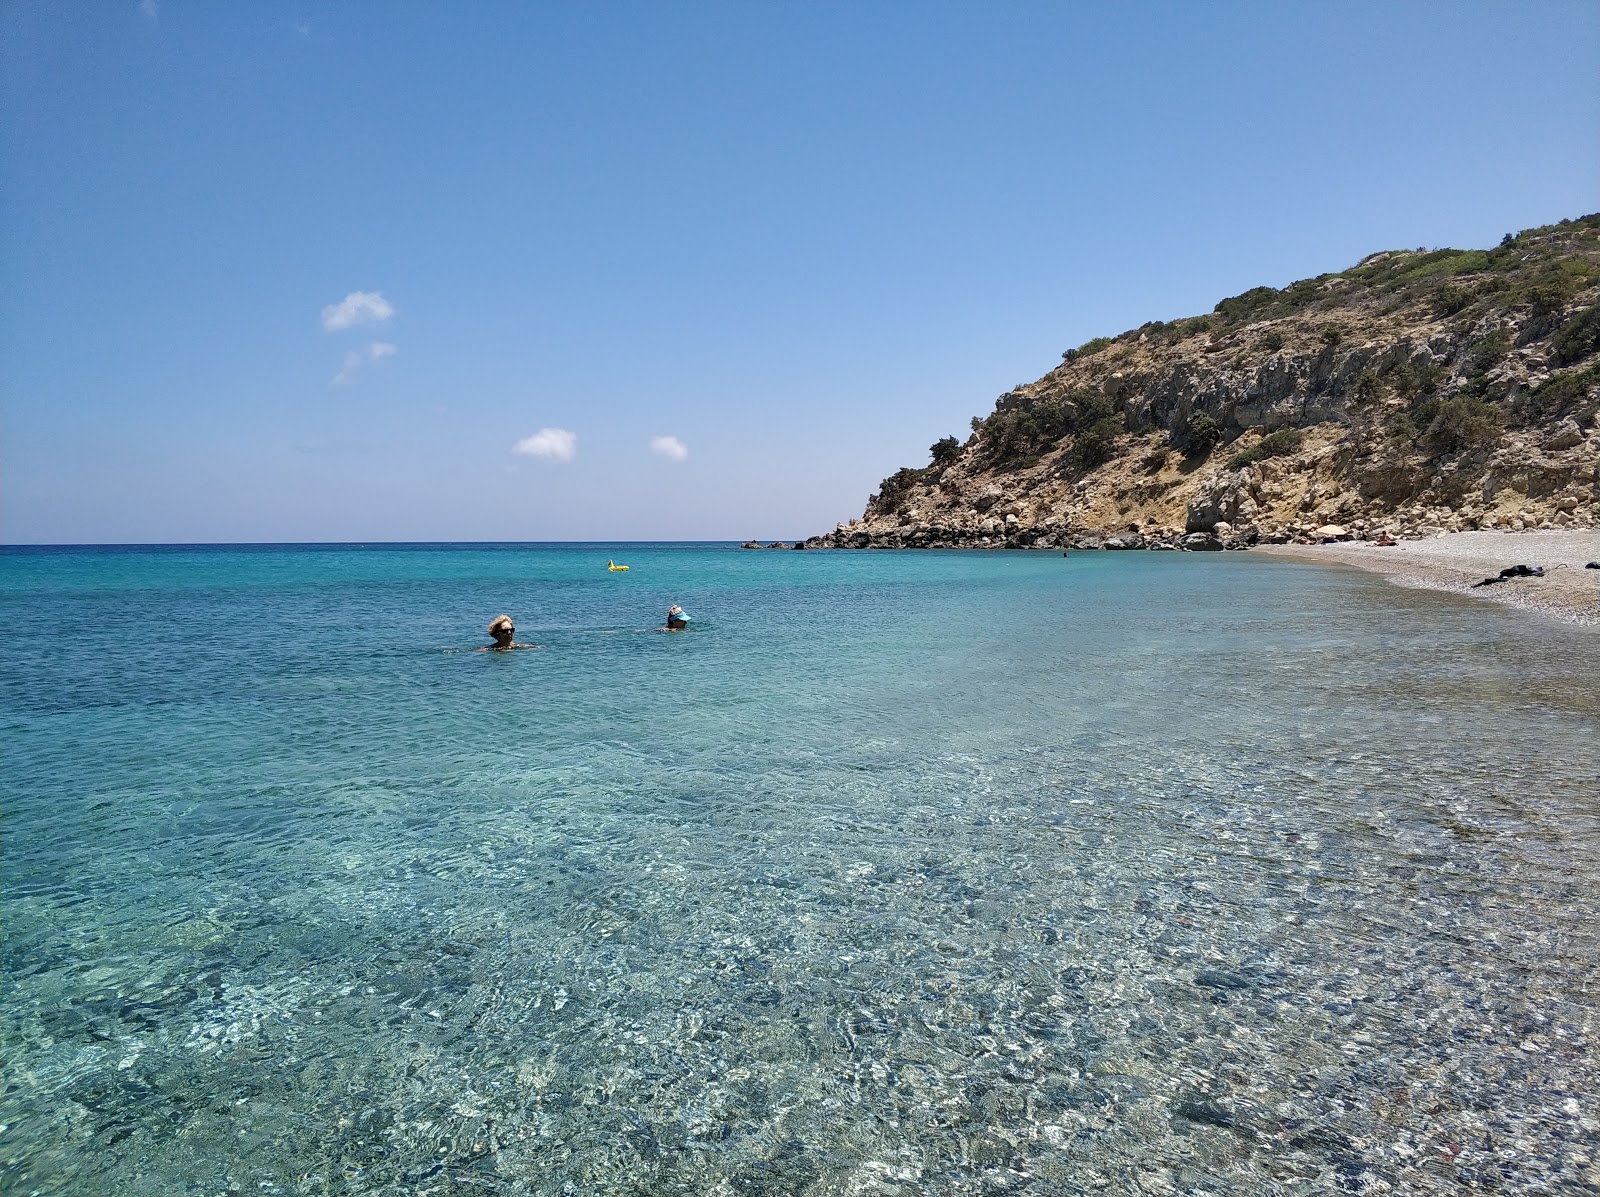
(502, 630)
(677, 619)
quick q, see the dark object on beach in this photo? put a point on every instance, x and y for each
(1591, 565)
(1512, 571)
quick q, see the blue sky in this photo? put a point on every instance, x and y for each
(318, 271)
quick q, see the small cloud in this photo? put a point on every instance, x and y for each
(669, 447)
(357, 358)
(150, 9)
(358, 307)
(556, 444)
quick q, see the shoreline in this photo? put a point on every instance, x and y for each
(1454, 561)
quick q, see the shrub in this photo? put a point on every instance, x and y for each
(1462, 421)
(1366, 387)
(1411, 379)
(1487, 353)
(894, 490)
(1332, 336)
(1270, 342)
(1547, 299)
(1578, 337)
(1155, 460)
(1275, 444)
(1561, 393)
(944, 451)
(1091, 405)
(1450, 299)
(1201, 433)
(1088, 349)
(1240, 308)
(1094, 443)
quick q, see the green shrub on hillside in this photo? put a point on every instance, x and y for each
(1450, 299)
(1487, 353)
(1200, 434)
(1411, 379)
(1462, 421)
(1088, 349)
(1270, 342)
(1093, 444)
(1577, 338)
(1560, 394)
(1366, 386)
(896, 488)
(1024, 432)
(1275, 444)
(1241, 309)
(944, 451)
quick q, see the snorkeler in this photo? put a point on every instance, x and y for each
(501, 629)
(677, 619)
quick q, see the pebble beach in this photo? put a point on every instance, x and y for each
(1455, 561)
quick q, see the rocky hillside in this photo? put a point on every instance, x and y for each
(1418, 391)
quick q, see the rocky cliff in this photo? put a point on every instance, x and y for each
(1416, 392)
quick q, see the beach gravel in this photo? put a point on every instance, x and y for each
(1455, 561)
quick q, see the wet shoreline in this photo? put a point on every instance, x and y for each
(1455, 561)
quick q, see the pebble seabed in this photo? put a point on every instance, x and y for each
(1030, 997)
(810, 960)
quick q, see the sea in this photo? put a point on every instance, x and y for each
(897, 873)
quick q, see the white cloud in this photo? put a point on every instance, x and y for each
(669, 447)
(356, 358)
(150, 9)
(358, 307)
(557, 444)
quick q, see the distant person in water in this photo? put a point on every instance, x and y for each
(677, 619)
(501, 631)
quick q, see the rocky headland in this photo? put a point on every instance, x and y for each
(1417, 392)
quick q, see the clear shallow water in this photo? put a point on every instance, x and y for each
(900, 873)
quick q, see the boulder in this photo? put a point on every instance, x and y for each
(1563, 436)
(1128, 540)
(1200, 542)
(751, 544)
(1223, 498)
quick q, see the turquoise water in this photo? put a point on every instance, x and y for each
(899, 873)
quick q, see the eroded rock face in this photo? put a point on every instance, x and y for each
(1354, 401)
(1227, 497)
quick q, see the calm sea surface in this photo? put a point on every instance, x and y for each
(899, 873)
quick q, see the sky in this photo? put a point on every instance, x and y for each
(679, 270)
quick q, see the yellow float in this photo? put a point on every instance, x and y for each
(615, 568)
